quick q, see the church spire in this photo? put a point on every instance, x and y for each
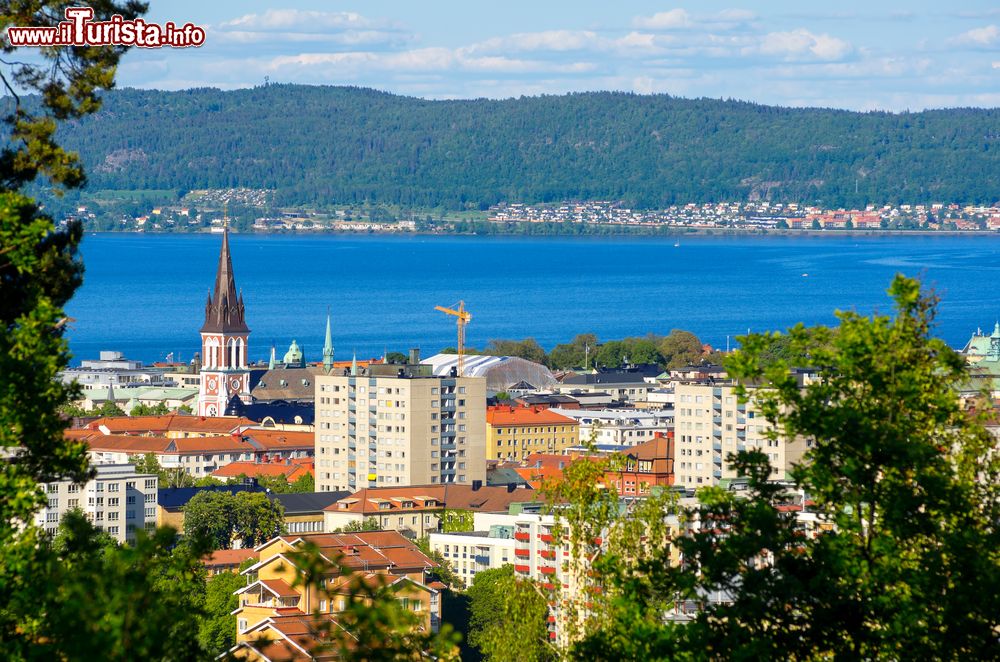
(270, 364)
(224, 311)
(328, 345)
(354, 365)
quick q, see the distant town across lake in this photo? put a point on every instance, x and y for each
(145, 294)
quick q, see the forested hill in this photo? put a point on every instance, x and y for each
(345, 145)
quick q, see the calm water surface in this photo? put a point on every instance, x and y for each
(145, 294)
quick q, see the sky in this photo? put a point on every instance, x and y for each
(874, 55)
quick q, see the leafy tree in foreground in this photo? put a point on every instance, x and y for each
(903, 559)
(508, 617)
(217, 630)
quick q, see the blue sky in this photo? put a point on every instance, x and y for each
(884, 55)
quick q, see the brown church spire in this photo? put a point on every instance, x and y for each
(224, 312)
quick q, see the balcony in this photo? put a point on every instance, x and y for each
(545, 537)
(481, 560)
(522, 553)
(545, 553)
(522, 568)
(522, 536)
(717, 446)
(547, 570)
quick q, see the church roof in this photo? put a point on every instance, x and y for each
(224, 310)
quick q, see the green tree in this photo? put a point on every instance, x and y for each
(680, 348)
(903, 482)
(304, 484)
(367, 524)
(217, 630)
(508, 621)
(574, 353)
(108, 408)
(224, 518)
(526, 349)
(159, 409)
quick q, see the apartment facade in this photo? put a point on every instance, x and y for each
(399, 425)
(274, 601)
(117, 500)
(710, 424)
(513, 433)
(620, 427)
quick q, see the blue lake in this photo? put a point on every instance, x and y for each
(145, 294)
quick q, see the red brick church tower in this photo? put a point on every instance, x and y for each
(224, 337)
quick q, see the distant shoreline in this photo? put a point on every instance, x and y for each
(668, 232)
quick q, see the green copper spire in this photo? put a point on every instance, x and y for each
(328, 346)
(354, 365)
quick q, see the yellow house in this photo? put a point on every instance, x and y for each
(275, 613)
(513, 433)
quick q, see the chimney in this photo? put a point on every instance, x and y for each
(476, 484)
(415, 356)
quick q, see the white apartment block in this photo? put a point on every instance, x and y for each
(469, 553)
(710, 424)
(117, 500)
(620, 427)
(399, 425)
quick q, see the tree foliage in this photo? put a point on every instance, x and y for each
(902, 482)
(217, 630)
(224, 517)
(508, 618)
(646, 150)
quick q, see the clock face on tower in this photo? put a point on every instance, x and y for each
(211, 385)
(211, 410)
(234, 384)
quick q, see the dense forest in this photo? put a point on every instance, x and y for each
(341, 145)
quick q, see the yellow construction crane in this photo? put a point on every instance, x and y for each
(464, 317)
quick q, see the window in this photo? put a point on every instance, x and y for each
(114, 487)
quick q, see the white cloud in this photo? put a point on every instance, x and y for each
(292, 20)
(986, 36)
(548, 40)
(664, 20)
(802, 44)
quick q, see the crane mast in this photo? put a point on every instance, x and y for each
(463, 317)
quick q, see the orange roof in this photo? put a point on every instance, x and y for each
(280, 588)
(170, 423)
(370, 550)
(292, 471)
(278, 439)
(227, 557)
(504, 415)
(430, 497)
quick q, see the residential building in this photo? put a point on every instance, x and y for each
(627, 384)
(172, 500)
(114, 370)
(420, 509)
(399, 425)
(275, 616)
(711, 424)
(227, 560)
(513, 433)
(172, 426)
(644, 467)
(470, 552)
(305, 511)
(117, 500)
(621, 427)
(199, 456)
(289, 469)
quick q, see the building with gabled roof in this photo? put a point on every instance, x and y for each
(275, 602)
(513, 433)
(171, 425)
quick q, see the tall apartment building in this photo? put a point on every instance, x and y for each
(710, 424)
(395, 424)
(117, 500)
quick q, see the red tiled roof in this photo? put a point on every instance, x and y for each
(227, 557)
(171, 423)
(504, 415)
(292, 471)
(280, 588)
(429, 497)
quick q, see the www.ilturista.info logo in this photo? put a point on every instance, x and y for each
(79, 29)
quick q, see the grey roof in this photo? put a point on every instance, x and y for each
(281, 383)
(177, 497)
(307, 502)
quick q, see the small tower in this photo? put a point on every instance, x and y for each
(995, 343)
(328, 347)
(354, 365)
(270, 364)
(224, 341)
